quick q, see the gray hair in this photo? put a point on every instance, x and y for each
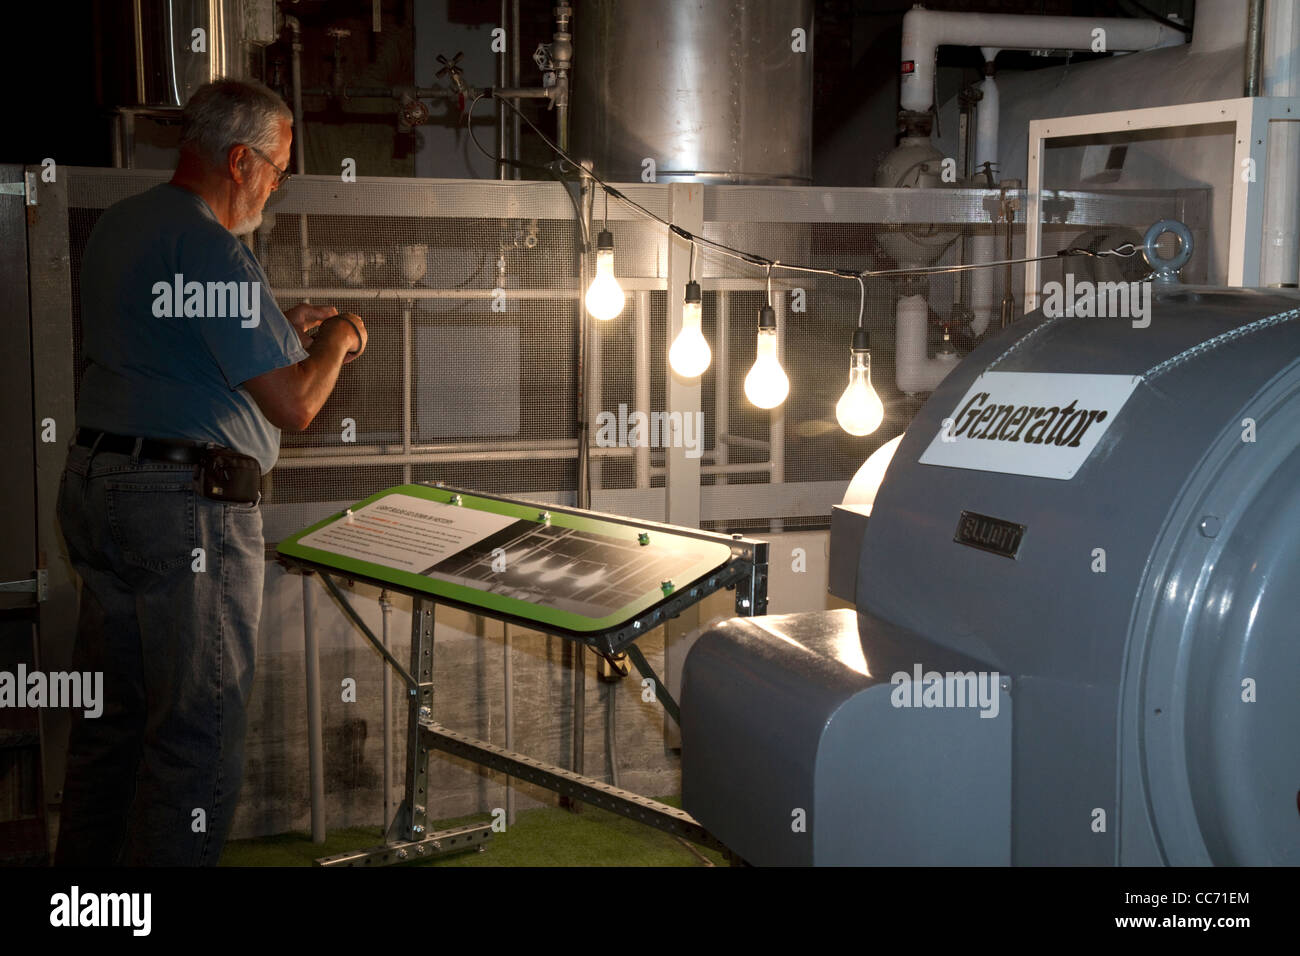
(225, 112)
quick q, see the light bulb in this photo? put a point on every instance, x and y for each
(690, 354)
(766, 385)
(605, 296)
(859, 410)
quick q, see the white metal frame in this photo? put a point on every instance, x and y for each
(1251, 117)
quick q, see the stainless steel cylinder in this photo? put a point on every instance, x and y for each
(710, 90)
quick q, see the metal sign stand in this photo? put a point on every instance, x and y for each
(407, 837)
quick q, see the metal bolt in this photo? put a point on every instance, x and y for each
(1209, 526)
(419, 810)
(455, 499)
(421, 849)
(1005, 684)
(637, 625)
(544, 516)
(401, 854)
(426, 713)
(417, 829)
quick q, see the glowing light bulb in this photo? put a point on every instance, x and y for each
(690, 354)
(766, 385)
(859, 410)
(605, 297)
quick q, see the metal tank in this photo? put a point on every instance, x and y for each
(711, 91)
(171, 61)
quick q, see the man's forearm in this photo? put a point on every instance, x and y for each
(319, 371)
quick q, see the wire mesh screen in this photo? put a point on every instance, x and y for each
(470, 292)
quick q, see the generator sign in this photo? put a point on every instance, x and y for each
(1041, 424)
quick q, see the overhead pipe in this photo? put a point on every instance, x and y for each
(924, 31)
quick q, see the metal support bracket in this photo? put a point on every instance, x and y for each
(376, 642)
(38, 585)
(565, 782)
(442, 843)
(661, 692)
(26, 189)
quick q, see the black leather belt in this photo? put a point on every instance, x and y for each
(156, 449)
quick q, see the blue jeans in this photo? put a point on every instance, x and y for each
(155, 778)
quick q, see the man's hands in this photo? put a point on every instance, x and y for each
(305, 317)
(291, 396)
(349, 327)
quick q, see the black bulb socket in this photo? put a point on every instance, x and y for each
(693, 292)
(767, 317)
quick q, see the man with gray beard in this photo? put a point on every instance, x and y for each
(179, 415)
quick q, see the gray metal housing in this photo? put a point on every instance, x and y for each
(1155, 708)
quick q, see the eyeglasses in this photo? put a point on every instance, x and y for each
(282, 174)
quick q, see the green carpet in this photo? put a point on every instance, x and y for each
(545, 836)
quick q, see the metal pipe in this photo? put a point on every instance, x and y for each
(299, 144)
(776, 429)
(501, 110)
(362, 293)
(1280, 259)
(386, 608)
(924, 31)
(611, 731)
(524, 93)
(584, 330)
(515, 130)
(509, 716)
(642, 388)
(722, 381)
(138, 23)
(408, 378)
(726, 438)
(1254, 45)
(426, 93)
(584, 460)
(331, 458)
(315, 740)
(562, 56)
(128, 139)
(115, 141)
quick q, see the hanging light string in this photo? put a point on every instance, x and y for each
(1125, 250)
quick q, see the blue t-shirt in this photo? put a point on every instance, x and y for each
(176, 315)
